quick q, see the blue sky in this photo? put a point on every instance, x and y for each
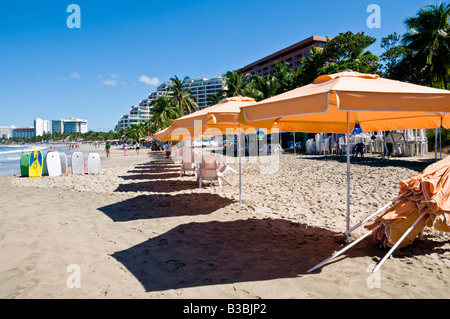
(50, 71)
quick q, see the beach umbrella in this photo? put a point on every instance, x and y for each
(219, 119)
(423, 201)
(336, 103)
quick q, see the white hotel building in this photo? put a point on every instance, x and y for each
(201, 88)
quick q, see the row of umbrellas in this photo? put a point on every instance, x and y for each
(331, 104)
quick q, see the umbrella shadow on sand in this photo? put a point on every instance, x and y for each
(158, 186)
(212, 253)
(160, 206)
(415, 165)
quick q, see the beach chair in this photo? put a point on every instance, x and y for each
(212, 169)
(187, 161)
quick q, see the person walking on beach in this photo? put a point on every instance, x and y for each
(138, 146)
(125, 149)
(108, 149)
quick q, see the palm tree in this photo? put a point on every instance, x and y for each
(182, 97)
(284, 77)
(215, 98)
(267, 86)
(429, 38)
(163, 112)
(235, 83)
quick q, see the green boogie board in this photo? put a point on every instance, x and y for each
(24, 163)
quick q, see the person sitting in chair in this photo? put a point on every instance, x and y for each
(358, 148)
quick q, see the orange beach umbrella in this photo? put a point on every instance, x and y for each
(373, 102)
(335, 103)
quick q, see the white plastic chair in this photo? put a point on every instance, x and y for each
(187, 161)
(212, 169)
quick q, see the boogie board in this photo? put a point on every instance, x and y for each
(24, 163)
(64, 165)
(44, 166)
(78, 164)
(36, 164)
(94, 163)
(53, 163)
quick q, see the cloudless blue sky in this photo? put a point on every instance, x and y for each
(50, 71)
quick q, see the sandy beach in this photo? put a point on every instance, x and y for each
(138, 230)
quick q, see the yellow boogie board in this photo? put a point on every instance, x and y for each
(36, 164)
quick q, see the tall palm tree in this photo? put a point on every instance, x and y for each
(429, 38)
(215, 98)
(267, 85)
(235, 83)
(182, 97)
(163, 113)
(284, 77)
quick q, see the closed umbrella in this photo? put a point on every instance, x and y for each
(423, 201)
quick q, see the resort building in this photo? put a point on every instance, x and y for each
(6, 132)
(71, 125)
(292, 55)
(201, 88)
(138, 114)
(24, 132)
(41, 127)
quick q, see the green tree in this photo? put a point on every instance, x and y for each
(215, 98)
(347, 51)
(429, 38)
(283, 77)
(310, 69)
(235, 83)
(267, 86)
(182, 97)
(399, 62)
(163, 113)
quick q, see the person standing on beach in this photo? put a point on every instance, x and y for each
(125, 149)
(108, 149)
(138, 146)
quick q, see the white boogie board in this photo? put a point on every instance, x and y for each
(94, 163)
(78, 164)
(64, 164)
(53, 163)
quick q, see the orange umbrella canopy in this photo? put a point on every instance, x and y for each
(216, 119)
(425, 193)
(373, 102)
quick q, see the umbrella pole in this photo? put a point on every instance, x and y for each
(343, 250)
(348, 176)
(294, 145)
(398, 242)
(435, 143)
(374, 214)
(440, 140)
(239, 153)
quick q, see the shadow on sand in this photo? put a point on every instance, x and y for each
(414, 164)
(211, 253)
(159, 206)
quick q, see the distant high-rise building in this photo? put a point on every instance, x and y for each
(41, 126)
(71, 125)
